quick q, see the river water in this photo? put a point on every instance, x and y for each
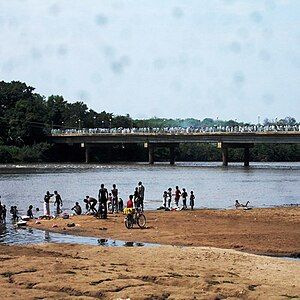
(263, 184)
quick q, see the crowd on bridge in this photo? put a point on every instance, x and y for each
(180, 130)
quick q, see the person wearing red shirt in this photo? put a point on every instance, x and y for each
(130, 202)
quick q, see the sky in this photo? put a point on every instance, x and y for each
(226, 59)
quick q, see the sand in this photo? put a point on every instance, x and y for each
(63, 271)
(60, 271)
(272, 231)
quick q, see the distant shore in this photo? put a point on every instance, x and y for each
(269, 231)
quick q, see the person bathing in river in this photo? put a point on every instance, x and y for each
(47, 203)
(58, 202)
(77, 209)
(29, 212)
(3, 214)
(14, 213)
(238, 204)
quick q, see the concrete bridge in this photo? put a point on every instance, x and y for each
(224, 140)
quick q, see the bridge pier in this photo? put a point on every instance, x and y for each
(225, 155)
(246, 156)
(87, 153)
(151, 153)
(172, 155)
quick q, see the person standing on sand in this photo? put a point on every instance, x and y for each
(184, 196)
(192, 200)
(141, 190)
(57, 202)
(177, 195)
(102, 197)
(165, 196)
(47, 203)
(169, 197)
(115, 201)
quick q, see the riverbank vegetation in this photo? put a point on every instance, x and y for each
(26, 118)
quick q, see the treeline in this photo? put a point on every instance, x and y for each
(26, 118)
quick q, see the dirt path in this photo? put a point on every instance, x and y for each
(274, 231)
(60, 271)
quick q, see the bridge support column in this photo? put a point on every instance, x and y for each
(246, 156)
(151, 153)
(172, 155)
(225, 155)
(87, 153)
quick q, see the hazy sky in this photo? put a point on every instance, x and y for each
(166, 58)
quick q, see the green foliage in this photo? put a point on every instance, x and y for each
(35, 153)
(27, 117)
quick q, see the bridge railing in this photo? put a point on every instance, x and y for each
(179, 130)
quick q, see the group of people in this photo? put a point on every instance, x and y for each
(106, 201)
(111, 200)
(14, 212)
(168, 196)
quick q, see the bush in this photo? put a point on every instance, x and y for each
(34, 153)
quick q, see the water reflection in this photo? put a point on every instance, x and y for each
(9, 234)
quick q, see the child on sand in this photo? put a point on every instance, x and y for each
(184, 195)
(192, 200)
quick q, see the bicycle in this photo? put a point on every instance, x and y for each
(134, 216)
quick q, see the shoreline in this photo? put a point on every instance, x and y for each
(264, 231)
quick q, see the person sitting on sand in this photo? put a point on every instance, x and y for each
(29, 212)
(130, 202)
(77, 209)
(238, 204)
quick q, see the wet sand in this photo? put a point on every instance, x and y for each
(270, 231)
(61, 271)
(64, 271)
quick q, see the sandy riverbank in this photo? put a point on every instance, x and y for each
(272, 231)
(61, 271)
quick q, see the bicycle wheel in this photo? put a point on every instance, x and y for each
(128, 222)
(141, 221)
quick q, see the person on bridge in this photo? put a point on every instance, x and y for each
(102, 197)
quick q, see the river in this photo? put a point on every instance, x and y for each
(263, 184)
